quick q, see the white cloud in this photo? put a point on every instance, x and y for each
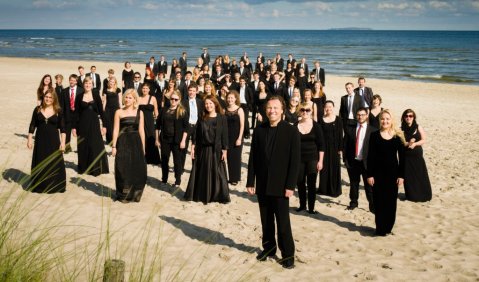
(52, 5)
(475, 4)
(275, 13)
(319, 7)
(400, 6)
(440, 5)
(150, 6)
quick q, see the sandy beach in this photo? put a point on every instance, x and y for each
(434, 241)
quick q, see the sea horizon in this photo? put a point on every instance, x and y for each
(420, 55)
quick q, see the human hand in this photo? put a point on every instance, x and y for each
(113, 152)
(192, 153)
(319, 166)
(223, 155)
(400, 181)
(251, 190)
(29, 143)
(288, 193)
(74, 132)
(238, 142)
(182, 144)
(103, 131)
(157, 143)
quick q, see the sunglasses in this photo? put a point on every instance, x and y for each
(305, 110)
(174, 99)
(409, 116)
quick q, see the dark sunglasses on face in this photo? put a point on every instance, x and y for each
(409, 116)
(305, 110)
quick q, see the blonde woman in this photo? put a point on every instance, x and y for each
(128, 148)
(48, 167)
(173, 127)
(385, 170)
(319, 98)
(308, 98)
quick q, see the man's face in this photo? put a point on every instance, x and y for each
(361, 83)
(73, 82)
(137, 77)
(361, 116)
(274, 110)
(192, 92)
(93, 69)
(349, 88)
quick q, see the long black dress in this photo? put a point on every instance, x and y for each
(416, 179)
(48, 168)
(127, 77)
(319, 101)
(130, 165)
(112, 104)
(152, 153)
(261, 106)
(208, 181)
(386, 165)
(330, 175)
(92, 157)
(234, 152)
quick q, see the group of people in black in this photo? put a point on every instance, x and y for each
(296, 136)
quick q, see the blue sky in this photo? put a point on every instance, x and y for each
(244, 14)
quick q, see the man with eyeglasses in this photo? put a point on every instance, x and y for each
(137, 82)
(356, 147)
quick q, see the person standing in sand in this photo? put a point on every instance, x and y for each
(385, 171)
(274, 164)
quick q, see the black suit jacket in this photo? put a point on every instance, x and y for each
(349, 146)
(343, 110)
(214, 78)
(206, 58)
(180, 125)
(368, 95)
(246, 73)
(183, 65)
(282, 90)
(280, 64)
(200, 105)
(155, 68)
(80, 81)
(306, 69)
(163, 67)
(322, 77)
(279, 171)
(97, 81)
(64, 101)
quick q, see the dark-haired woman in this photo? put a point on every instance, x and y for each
(173, 125)
(374, 111)
(48, 167)
(208, 181)
(236, 120)
(330, 175)
(127, 77)
(149, 107)
(46, 84)
(111, 102)
(416, 179)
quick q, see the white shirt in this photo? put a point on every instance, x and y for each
(193, 111)
(350, 106)
(242, 95)
(361, 93)
(360, 139)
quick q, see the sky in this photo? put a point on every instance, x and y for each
(244, 14)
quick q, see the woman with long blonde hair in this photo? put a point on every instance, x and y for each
(173, 127)
(128, 148)
(385, 170)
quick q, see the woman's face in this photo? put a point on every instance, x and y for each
(48, 99)
(294, 102)
(47, 80)
(296, 93)
(262, 86)
(328, 109)
(111, 83)
(317, 86)
(409, 118)
(385, 121)
(376, 102)
(210, 106)
(59, 80)
(129, 100)
(145, 90)
(208, 89)
(171, 85)
(305, 112)
(202, 82)
(174, 99)
(128, 65)
(231, 100)
(88, 85)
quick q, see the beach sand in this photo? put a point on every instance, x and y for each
(434, 241)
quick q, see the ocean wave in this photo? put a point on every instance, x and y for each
(42, 38)
(444, 78)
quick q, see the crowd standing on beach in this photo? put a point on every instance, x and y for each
(280, 105)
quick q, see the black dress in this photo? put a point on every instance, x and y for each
(234, 152)
(127, 77)
(261, 106)
(416, 179)
(290, 117)
(48, 168)
(208, 181)
(130, 165)
(374, 120)
(92, 157)
(152, 153)
(112, 104)
(319, 101)
(386, 168)
(330, 175)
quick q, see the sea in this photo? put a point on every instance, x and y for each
(433, 56)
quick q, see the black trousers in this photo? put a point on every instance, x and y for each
(356, 169)
(271, 208)
(310, 179)
(68, 131)
(253, 116)
(246, 120)
(191, 134)
(166, 149)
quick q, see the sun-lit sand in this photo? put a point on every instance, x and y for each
(434, 241)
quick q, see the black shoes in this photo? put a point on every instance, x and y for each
(351, 207)
(300, 209)
(312, 212)
(264, 255)
(288, 263)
